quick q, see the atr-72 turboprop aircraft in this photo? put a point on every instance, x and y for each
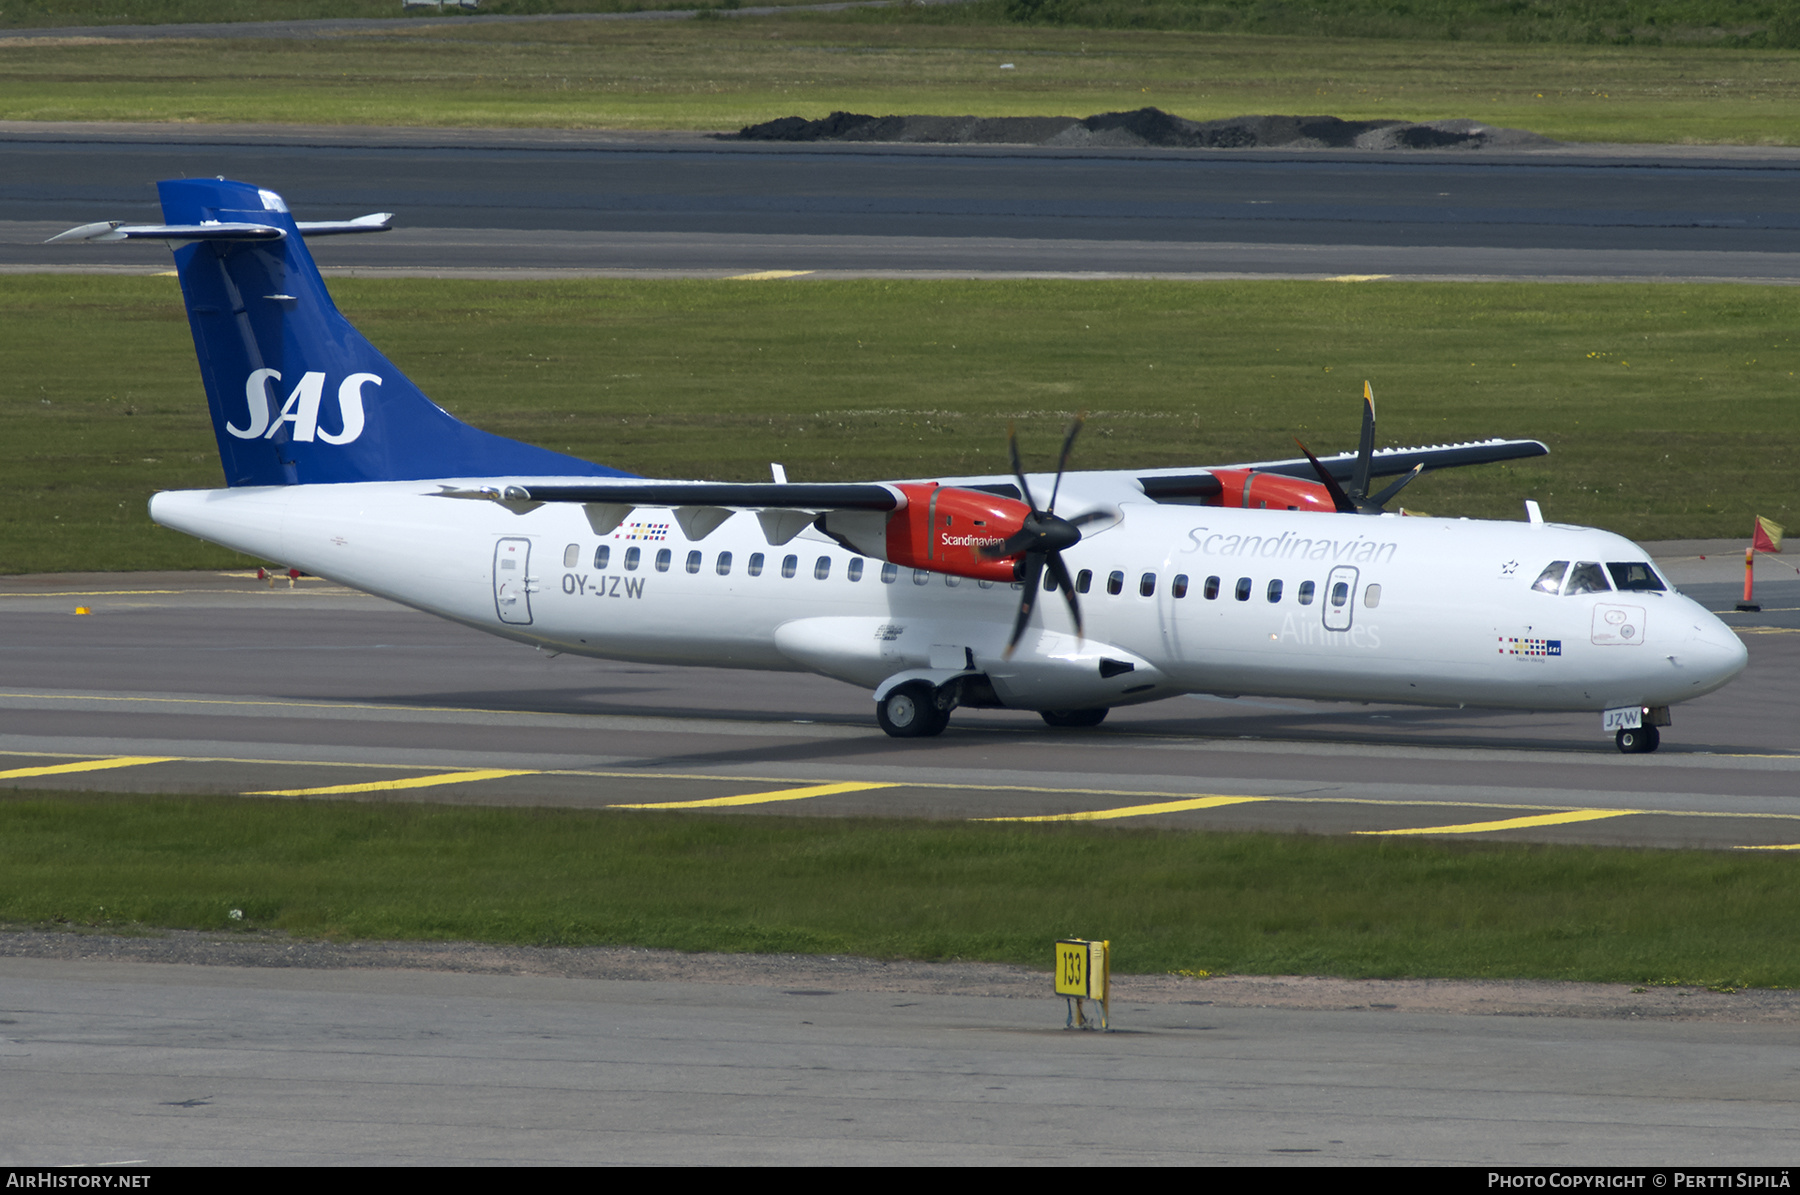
(1237, 580)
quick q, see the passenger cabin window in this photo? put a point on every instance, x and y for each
(1550, 580)
(693, 562)
(1049, 581)
(790, 565)
(1274, 592)
(631, 559)
(822, 568)
(1305, 593)
(1147, 585)
(662, 560)
(951, 581)
(1340, 593)
(602, 554)
(571, 555)
(854, 569)
(1115, 582)
(1243, 589)
(984, 584)
(1178, 587)
(890, 573)
(1372, 596)
(921, 576)
(1586, 577)
(723, 568)
(1210, 590)
(1635, 577)
(754, 568)
(1083, 580)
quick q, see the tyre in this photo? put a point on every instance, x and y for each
(1641, 741)
(910, 711)
(1070, 719)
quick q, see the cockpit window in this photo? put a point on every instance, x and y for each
(1550, 580)
(1586, 577)
(1635, 575)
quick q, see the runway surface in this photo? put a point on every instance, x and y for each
(484, 202)
(219, 683)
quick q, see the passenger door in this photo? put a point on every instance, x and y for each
(1340, 598)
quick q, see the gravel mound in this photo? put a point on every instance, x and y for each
(1148, 127)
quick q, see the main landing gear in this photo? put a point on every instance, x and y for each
(919, 709)
(1640, 741)
(911, 711)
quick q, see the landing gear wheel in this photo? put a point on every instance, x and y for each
(911, 711)
(1071, 719)
(1641, 741)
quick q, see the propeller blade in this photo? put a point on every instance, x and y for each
(1339, 499)
(1365, 450)
(1374, 505)
(1060, 573)
(1012, 448)
(1092, 516)
(1034, 567)
(1062, 462)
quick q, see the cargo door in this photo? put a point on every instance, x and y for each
(512, 581)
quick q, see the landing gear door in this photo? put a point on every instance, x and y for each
(1340, 598)
(512, 591)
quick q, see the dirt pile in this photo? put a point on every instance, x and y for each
(1148, 127)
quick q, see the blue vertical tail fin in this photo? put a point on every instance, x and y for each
(297, 394)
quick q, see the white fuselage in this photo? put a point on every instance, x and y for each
(1432, 611)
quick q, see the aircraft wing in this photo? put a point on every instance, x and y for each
(699, 507)
(1175, 484)
(730, 494)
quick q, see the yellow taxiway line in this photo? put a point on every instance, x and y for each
(377, 786)
(786, 794)
(1515, 823)
(1106, 815)
(86, 765)
(1176, 805)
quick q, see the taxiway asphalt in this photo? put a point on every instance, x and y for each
(111, 1063)
(487, 203)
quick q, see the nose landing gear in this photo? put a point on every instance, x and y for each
(1639, 741)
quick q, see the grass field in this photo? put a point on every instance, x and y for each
(1671, 411)
(1244, 903)
(1749, 23)
(725, 74)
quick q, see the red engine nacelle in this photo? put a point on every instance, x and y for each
(1253, 490)
(944, 528)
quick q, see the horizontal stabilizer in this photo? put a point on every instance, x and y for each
(373, 222)
(212, 230)
(215, 230)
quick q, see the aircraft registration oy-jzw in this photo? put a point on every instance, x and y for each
(1227, 580)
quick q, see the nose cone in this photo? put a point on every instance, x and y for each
(1712, 654)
